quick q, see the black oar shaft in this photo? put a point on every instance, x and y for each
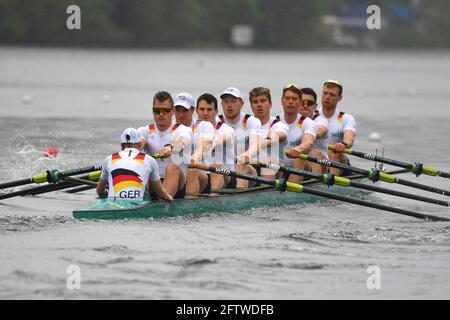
(422, 187)
(416, 168)
(373, 157)
(444, 174)
(39, 189)
(399, 193)
(299, 188)
(84, 179)
(17, 183)
(50, 176)
(373, 205)
(354, 184)
(391, 178)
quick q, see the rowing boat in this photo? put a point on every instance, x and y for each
(227, 201)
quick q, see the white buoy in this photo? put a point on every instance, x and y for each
(26, 99)
(106, 98)
(375, 137)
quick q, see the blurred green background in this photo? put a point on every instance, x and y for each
(266, 24)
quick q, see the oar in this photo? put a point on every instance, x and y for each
(80, 189)
(283, 185)
(52, 176)
(92, 176)
(374, 174)
(330, 179)
(417, 168)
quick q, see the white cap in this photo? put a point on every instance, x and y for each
(130, 135)
(231, 91)
(184, 99)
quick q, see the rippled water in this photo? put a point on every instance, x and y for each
(80, 101)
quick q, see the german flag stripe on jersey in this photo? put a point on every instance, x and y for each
(244, 122)
(175, 126)
(300, 122)
(316, 114)
(151, 128)
(340, 116)
(124, 178)
(140, 158)
(115, 157)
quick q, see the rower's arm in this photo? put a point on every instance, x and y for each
(349, 138)
(347, 141)
(101, 188)
(274, 137)
(181, 142)
(306, 143)
(142, 144)
(321, 131)
(255, 141)
(222, 139)
(200, 149)
(178, 144)
(161, 192)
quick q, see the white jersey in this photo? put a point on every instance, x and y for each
(202, 130)
(246, 126)
(224, 153)
(297, 129)
(276, 125)
(127, 173)
(338, 123)
(320, 144)
(194, 119)
(156, 140)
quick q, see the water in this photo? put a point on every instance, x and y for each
(81, 100)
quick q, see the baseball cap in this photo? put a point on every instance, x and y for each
(231, 91)
(293, 87)
(130, 135)
(335, 82)
(184, 99)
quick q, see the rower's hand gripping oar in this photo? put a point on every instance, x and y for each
(283, 185)
(331, 179)
(374, 174)
(417, 168)
(51, 176)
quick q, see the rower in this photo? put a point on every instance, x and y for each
(247, 133)
(275, 132)
(341, 125)
(214, 144)
(171, 141)
(308, 106)
(302, 130)
(129, 171)
(184, 110)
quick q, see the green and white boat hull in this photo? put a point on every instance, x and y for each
(233, 201)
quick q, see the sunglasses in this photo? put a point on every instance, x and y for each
(161, 110)
(308, 103)
(292, 85)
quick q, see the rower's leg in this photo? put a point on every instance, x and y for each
(297, 164)
(317, 167)
(219, 181)
(245, 168)
(337, 157)
(174, 179)
(196, 181)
